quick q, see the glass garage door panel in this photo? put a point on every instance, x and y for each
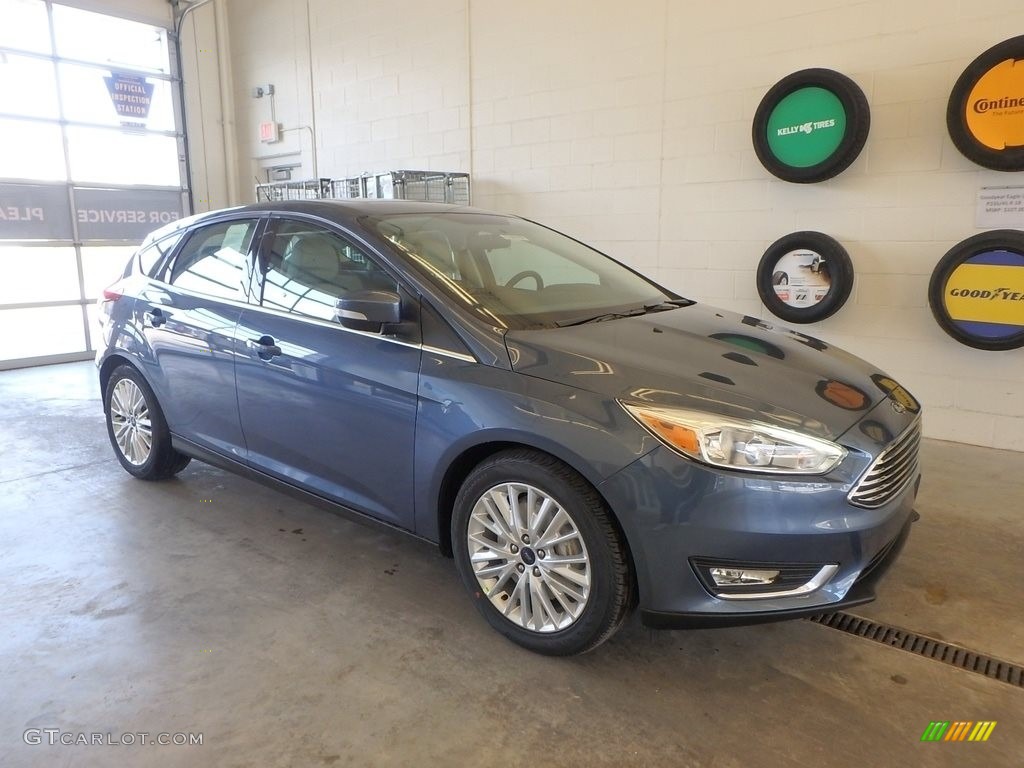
(27, 86)
(31, 150)
(95, 329)
(41, 331)
(106, 156)
(34, 274)
(103, 266)
(89, 36)
(87, 115)
(87, 100)
(24, 26)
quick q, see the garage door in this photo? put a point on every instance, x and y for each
(90, 161)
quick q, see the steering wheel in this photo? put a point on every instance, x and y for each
(523, 275)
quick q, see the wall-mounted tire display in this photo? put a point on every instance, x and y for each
(811, 125)
(985, 115)
(805, 277)
(976, 292)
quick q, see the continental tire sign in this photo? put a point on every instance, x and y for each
(811, 125)
(977, 291)
(985, 115)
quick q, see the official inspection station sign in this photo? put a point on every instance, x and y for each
(132, 97)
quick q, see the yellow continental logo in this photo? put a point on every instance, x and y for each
(958, 730)
(995, 108)
(986, 293)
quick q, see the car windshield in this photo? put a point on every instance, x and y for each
(517, 274)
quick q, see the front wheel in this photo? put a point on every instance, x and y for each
(535, 546)
(137, 429)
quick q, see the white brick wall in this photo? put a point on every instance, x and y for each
(628, 125)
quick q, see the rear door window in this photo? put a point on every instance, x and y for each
(214, 260)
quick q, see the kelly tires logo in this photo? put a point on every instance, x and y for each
(985, 114)
(811, 125)
(977, 291)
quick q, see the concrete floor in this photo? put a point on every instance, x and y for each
(289, 637)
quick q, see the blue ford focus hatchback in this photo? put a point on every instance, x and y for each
(581, 440)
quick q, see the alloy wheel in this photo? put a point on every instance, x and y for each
(129, 416)
(529, 557)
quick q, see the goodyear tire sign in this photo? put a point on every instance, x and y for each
(977, 291)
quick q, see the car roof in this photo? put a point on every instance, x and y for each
(340, 211)
(347, 210)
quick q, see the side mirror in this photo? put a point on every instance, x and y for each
(369, 310)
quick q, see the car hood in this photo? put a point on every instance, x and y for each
(707, 359)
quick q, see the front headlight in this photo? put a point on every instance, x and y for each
(735, 443)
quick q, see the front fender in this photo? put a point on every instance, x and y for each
(464, 406)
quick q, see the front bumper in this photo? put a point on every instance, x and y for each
(862, 591)
(674, 510)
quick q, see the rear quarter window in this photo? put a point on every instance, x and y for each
(151, 257)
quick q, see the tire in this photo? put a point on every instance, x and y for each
(129, 404)
(1010, 158)
(858, 125)
(1010, 240)
(567, 626)
(835, 266)
(780, 278)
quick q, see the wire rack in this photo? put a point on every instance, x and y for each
(423, 186)
(275, 191)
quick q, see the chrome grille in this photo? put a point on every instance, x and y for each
(891, 472)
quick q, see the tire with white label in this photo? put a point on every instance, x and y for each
(976, 292)
(811, 125)
(818, 277)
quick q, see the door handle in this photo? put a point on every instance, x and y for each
(156, 317)
(265, 347)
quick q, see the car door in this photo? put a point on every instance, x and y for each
(322, 406)
(188, 314)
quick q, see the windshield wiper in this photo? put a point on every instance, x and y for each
(660, 306)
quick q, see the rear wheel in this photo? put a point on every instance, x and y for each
(536, 548)
(137, 429)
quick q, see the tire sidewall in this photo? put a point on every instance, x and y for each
(599, 610)
(160, 434)
(858, 125)
(836, 260)
(1000, 239)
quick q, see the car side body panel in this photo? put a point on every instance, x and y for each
(334, 412)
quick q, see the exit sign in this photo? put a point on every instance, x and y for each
(269, 133)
